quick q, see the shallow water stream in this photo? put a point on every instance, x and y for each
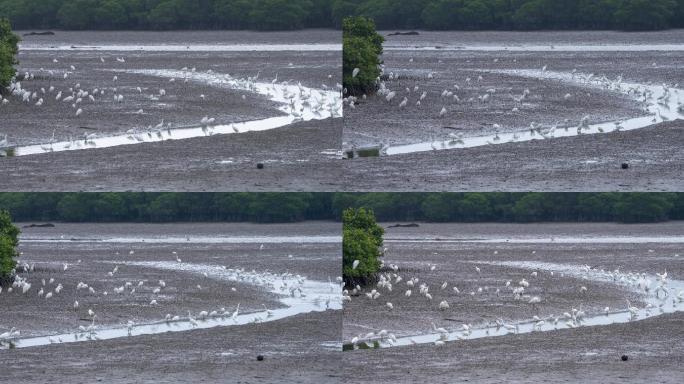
(660, 296)
(298, 295)
(297, 103)
(661, 104)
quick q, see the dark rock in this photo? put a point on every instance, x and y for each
(48, 33)
(412, 33)
(48, 225)
(412, 225)
(260, 358)
(625, 357)
(260, 166)
(625, 166)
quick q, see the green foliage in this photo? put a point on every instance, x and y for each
(279, 14)
(292, 207)
(596, 206)
(342, 9)
(92, 207)
(30, 12)
(530, 15)
(644, 14)
(643, 207)
(168, 207)
(592, 14)
(230, 14)
(363, 219)
(388, 14)
(75, 14)
(362, 50)
(517, 207)
(517, 14)
(364, 28)
(111, 14)
(8, 242)
(462, 207)
(320, 14)
(178, 14)
(358, 245)
(7, 263)
(168, 14)
(361, 240)
(454, 14)
(359, 53)
(278, 207)
(7, 229)
(8, 51)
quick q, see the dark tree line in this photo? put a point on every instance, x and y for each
(293, 207)
(518, 207)
(516, 14)
(388, 14)
(168, 14)
(167, 207)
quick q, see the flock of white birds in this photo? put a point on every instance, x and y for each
(446, 294)
(287, 283)
(74, 97)
(76, 100)
(418, 98)
(448, 97)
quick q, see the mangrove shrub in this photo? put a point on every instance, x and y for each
(361, 57)
(8, 52)
(362, 241)
(8, 242)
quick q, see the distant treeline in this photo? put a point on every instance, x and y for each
(388, 14)
(167, 207)
(520, 207)
(517, 14)
(168, 14)
(293, 207)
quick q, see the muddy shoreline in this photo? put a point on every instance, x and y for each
(297, 157)
(587, 354)
(558, 164)
(573, 164)
(300, 157)
(206, 354)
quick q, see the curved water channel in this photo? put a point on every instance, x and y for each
(562, 239)
(191, 239)
(129, 48)
(541, 47)
(662, 104)
(297, 294)
(297, 103)
(660, 295)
